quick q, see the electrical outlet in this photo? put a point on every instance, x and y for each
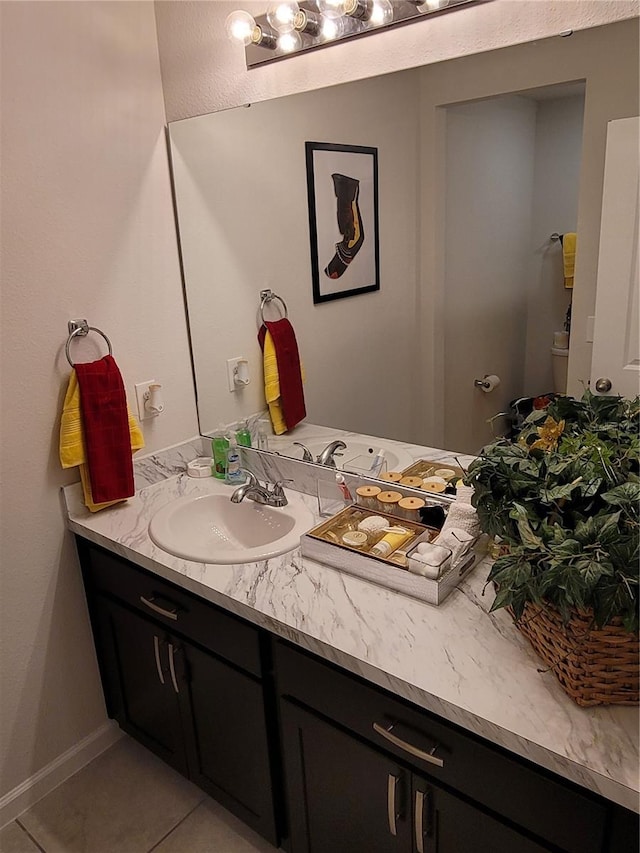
(234, 364)
(142, 388)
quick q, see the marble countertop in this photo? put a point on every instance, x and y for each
(458, 660)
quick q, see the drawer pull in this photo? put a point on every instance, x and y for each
(150, 603)
(420, 830)
(156, 651)
(392, 785)
(408, 747)
(172, 668)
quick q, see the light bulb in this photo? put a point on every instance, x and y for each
(382, 13)
(289, 42)
(331, 8)
(281, 15)
(331, 28)
(239, 26)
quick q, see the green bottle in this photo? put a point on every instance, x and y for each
(243, 436)
(219, 447)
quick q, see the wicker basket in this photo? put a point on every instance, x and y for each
(594, 666)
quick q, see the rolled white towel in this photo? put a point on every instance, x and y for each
(464, 494)
(458, 540)
(462, 516)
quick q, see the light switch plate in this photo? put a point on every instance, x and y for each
(141, 390)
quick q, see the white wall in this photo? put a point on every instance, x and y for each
(555, 209)
(87, 232)
(242, 206)
(489, 188)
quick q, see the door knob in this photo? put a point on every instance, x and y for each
(603, 385)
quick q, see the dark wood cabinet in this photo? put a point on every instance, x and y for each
(357, 757)
(138, 689)
(339, 792)
(198, 710)
(448, 824)
(227, 740)
(345, 796)
(308, 754)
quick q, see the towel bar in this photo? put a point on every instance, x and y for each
(80, 328)
(267, 296)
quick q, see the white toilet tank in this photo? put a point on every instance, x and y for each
(559, 364)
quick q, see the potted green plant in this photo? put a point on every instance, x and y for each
(564, 500)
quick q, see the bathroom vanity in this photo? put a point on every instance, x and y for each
(334, 715)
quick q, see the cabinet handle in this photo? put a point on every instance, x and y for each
(419, 821)
(156, 651)
(392, 815)
(150, 603)
(408, 747)
(172, 668)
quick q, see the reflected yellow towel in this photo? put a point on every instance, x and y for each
(272, 385)
(72, 452)
(569, 258)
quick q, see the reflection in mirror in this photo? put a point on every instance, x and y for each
(481, 160)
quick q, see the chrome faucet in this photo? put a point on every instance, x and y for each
(306, 453)
(260, 494)
(326, 457)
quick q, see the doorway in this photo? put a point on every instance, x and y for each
(512, 180)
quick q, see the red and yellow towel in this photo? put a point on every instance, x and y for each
(98, 433)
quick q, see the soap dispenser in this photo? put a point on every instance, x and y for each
(243, 434)
(234, 476)
(219, 448)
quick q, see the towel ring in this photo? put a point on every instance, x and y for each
(80, 328)
(267, 296)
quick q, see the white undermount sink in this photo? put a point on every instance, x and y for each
(208, 528)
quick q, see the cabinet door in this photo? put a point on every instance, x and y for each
(135, 659)
(444, 823)
(226, 734)
(343, 796)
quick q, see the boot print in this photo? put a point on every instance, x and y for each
(349, 223)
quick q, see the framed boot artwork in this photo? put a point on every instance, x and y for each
(342, 184)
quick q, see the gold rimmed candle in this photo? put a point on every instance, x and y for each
(388, 501)
(446, 473)
(391, 476)
(411, 482)
(366, 496)
(409, 508)
(434, 484)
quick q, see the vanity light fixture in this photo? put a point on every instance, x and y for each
(291, 27)
(242, 28)
(376, 12)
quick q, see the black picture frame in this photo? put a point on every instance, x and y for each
(342, 188)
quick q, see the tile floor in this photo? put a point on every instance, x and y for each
(128, 801)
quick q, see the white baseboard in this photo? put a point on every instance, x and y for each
(24, 795)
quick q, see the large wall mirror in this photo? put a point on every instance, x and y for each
(480, 161)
